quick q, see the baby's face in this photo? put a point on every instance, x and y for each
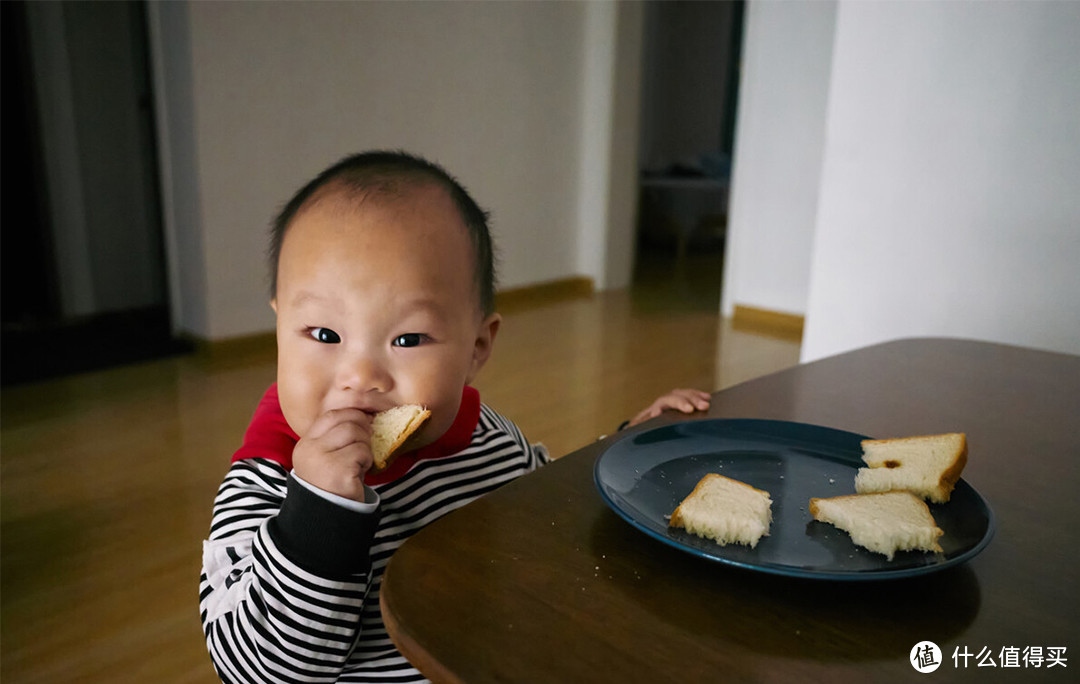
(377, 306)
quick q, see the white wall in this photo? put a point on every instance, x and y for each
(278, 91)
(174, 103)
(620, 228)
(949, 202)
(607, 184)
(779, 138)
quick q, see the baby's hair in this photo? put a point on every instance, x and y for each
(391, 174)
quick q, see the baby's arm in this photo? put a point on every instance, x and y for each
(285, 575)
(685, 400)
(284, 579)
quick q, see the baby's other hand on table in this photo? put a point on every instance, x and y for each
(685, 400)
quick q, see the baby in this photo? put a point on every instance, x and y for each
(383, 286)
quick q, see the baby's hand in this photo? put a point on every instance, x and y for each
(685, 400)
(335, 454)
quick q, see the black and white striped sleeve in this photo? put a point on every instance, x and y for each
(284, 580)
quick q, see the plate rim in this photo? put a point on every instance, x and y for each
(789, 571)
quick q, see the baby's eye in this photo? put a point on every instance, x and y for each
(325, 335)
(409, 340)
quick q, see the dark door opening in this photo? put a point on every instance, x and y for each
(689, 94)
(83, 262)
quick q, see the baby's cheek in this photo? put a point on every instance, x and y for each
(299, 406)
(443, 414)
(293, 417)
(439, 424)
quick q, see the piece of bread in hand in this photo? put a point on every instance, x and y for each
(927, 466)
(725, 510)
(390, 429)
(884, 522)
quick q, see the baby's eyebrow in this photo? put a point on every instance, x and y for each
(305, 296)
(430, 306)
(425, 303)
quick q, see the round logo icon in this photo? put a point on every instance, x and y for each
(926, 656)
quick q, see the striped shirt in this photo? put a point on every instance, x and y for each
(289, 590)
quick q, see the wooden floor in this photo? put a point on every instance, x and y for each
(108, 477)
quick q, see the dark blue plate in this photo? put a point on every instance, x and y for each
(645, 476)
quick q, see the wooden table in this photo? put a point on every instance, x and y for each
(541, 582)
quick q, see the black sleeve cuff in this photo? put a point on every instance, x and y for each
(322, 537)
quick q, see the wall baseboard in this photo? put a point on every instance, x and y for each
(551, 292)
(241, 346)
(766, 322)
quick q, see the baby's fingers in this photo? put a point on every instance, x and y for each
(691, 400)
(343, 435)
(685, 400)
(645, 414)
(332, 420)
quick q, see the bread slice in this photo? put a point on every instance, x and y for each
(726, 511)
(927, 466)
(390, 429)
(885, 522)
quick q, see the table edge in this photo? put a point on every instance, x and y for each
(419, 658)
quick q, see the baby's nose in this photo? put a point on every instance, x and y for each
(363, 374)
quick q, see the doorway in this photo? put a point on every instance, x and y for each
(83, 264)
(690, 82)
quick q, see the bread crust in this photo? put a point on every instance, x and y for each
(933, 546)
(949, 477)
(677, 518)
(381, 464)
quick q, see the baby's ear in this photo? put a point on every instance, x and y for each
(273, 304)
(485, 342)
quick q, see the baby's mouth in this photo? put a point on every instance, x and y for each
(366, 408)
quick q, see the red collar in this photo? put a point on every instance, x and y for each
(269, 436)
